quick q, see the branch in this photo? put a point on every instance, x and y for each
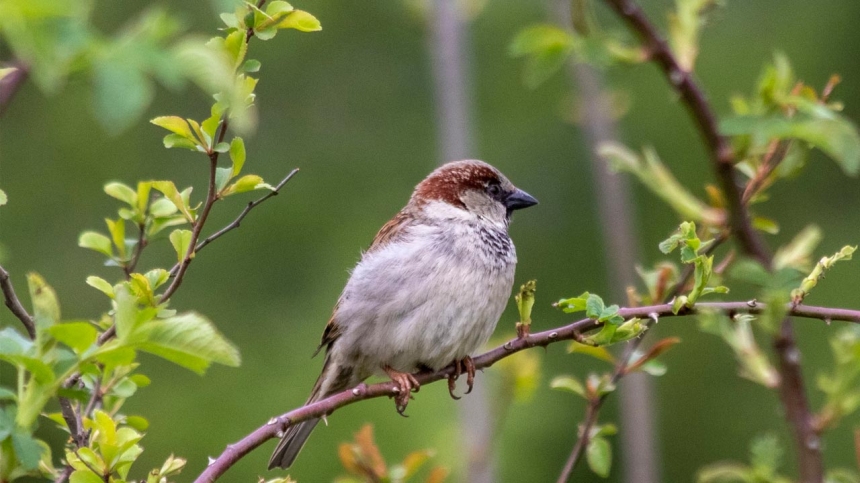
(14, 304)
(792, 390)
(235, 223)
(275, 426)
(211, 198)
(721, 153)
(594, 405)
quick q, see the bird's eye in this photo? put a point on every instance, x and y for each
(494, 190)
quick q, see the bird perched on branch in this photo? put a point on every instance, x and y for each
(427, 293)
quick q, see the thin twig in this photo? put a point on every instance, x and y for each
(595, 404)
(211, 198)
(14, 304)
(694, 98)
(234, 452)
(250, 206)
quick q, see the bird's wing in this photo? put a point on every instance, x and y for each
(393, 230)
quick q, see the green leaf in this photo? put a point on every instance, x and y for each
(797, 253)
(137, 422)
(598, 453)
(266, 33)
(122, 192)
(568, 383)
(96, 241)
(546, 47)
(5, 394)
(46, 307)
(181, 240)
(834, 135)
(3, 198)
(575, 304)
(177, 141)
(77, 335)
(175, 124)
(85, 476)
(237, 155)
(171, 193)
(210, 125)
(249, 182)
(301, 21)
(596, 352)
(251, 65)
(117, 232)
(222, 177)
(101, 285)
(27, 450)
(278, 8)
(189, 340)
(594, 306)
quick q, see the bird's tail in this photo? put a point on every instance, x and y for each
(333, 379)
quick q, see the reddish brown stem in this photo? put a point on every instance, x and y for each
(234, 452)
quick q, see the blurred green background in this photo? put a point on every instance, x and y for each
(352, 106)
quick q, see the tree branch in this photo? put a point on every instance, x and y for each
(235, 223)
(792, 389)
(275, 426)
(594, 405)
(697, 104)
(14, 304)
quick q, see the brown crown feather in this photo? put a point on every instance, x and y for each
(447, 182)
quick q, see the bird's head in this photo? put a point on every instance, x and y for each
(474, 187)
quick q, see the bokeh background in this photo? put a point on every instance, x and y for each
(352, 106)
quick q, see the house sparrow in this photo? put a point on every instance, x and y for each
(427, 293)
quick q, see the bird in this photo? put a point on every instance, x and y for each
(427, 293)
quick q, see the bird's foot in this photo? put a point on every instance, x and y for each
(406, 384)
(464, 364)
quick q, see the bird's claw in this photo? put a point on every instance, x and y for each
(406, 384)
(468, 365)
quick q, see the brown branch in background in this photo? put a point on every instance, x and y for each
(10, 84)
(693, 97)
(14, 304)
(619, 247)
(448, 43)
(275, 426)
(792, 391)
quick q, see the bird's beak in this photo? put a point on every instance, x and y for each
(519, 199)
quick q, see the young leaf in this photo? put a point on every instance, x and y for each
(77, 335)
(569, 383)
(122, 192)
(598, 453)
(3, 198)
(96, 241)
(574, 304)
(46, 307)
(546, 47)
(117, 232)
(237, 155)
(175, 124)
(181, 240)
(301, 21)
(168, 189)
(249, 182)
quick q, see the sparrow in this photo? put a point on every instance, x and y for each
(427, 293)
